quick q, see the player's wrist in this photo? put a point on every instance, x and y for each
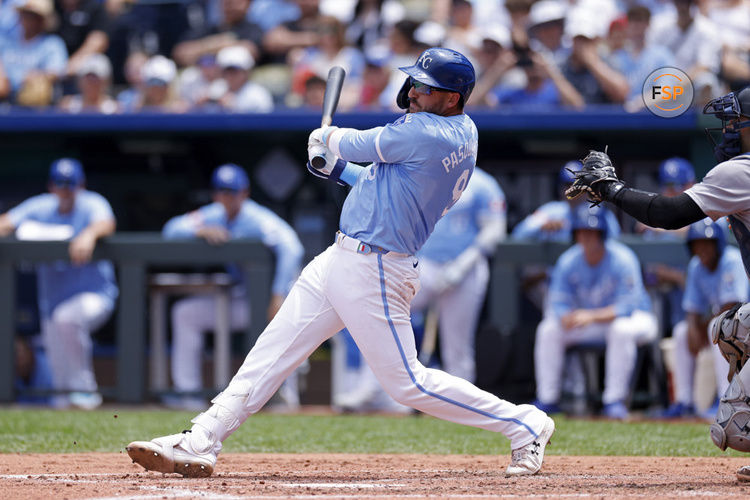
(327, 131)
(609, 189)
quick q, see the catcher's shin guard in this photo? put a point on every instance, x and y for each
(732, 426)
(730, 331)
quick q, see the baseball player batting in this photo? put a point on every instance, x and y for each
(365, 281)
(724, 191)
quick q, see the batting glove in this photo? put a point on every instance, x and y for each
(319, 136)
(318, 150)
(333, 175)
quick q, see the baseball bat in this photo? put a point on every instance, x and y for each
(335, 81)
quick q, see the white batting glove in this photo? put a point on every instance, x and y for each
(319, 136)
(319, 150)
(315, 138)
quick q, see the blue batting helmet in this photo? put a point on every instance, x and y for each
(677, 171)
(568, 172)
(585, 217)
(440, 68)
(726, 108)
(706, 229)
(230, 177)
(66, 171)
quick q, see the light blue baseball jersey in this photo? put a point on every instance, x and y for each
(44, 52)
(530, 228)
(60, 280)
(422, 164)
(253, 222)
(616, 280)
(482, 200)
(706, 291)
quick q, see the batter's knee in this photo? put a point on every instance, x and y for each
(402, 388)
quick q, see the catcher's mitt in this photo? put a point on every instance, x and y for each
(597, 174)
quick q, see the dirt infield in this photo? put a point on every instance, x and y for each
(100, 475)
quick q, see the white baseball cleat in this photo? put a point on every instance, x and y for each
(743, 474)
(188, 453)
(527, 460)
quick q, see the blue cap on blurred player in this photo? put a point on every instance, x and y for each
(585, 217)
(706, 229)
(677, 171)
(66, 172)
(229, 177)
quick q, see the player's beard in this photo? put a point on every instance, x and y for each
(415, 108)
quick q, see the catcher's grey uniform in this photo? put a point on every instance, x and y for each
(725, 191)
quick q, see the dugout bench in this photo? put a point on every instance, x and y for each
(134, 253)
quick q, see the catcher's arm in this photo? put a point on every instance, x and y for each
(599, 181)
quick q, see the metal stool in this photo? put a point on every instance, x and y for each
(648, 358)
(164, 285)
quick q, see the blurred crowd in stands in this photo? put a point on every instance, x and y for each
(252, 56)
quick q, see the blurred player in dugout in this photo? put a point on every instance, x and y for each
(77, 296)
(551, 222)
(454, 273)
(232, 215)
(666, 283)
(714, 284)
(596, 294)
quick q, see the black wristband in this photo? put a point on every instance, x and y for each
(609, 189)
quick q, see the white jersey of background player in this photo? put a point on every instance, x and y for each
(365, 281)
(724, 191)
(708, 292)
(231, 215)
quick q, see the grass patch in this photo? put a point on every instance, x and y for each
(48, 431)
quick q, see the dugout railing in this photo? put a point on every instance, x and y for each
(134, 254)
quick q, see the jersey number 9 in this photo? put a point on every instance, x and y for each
(461, 183)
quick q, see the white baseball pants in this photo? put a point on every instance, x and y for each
(622, 336)
(684, 367)
(370, 295)
(356, 387)
(67, 340)
(458, 309)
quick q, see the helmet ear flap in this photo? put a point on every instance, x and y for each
(402, 99)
